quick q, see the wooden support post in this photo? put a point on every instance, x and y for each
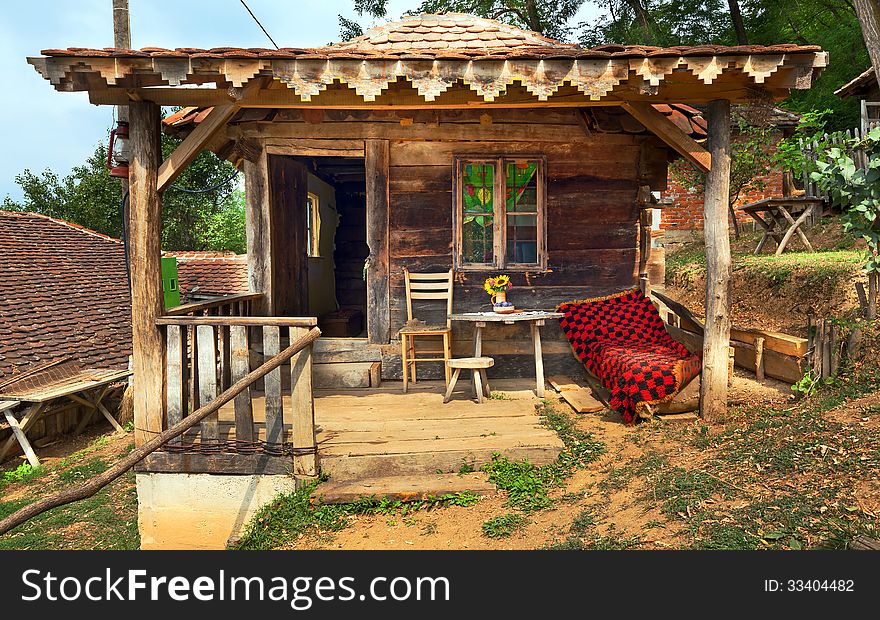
(145, 251)
(256, 190)
(272, 382)
(759, 358)
(377, 160)
(302, 407)
(208, 379)
(176, 389)
(240, 362)
(713, 385)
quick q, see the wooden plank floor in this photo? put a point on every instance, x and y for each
(372, 433)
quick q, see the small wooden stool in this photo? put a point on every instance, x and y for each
(478, 366)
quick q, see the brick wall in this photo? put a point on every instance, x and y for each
(686, 211)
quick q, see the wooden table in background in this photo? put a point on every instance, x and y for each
(781, 218)
(535, 319)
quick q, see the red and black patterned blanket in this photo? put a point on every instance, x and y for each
(622, 341)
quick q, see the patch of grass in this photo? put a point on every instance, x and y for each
(498, 396)
(23, 473)
(504, 525)
(76, 457)
(583, 522)
(581, 448)
(683, 490)
(292, 515)
(527, 485)
(619, 477)
(466, 468)
(107, 520)
(609, 542)
(87, 470)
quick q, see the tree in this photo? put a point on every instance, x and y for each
(751, 156)
(89, 196)
(868, 12)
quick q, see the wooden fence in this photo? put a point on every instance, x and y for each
(811, 153)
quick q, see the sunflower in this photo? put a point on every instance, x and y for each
(496, 284)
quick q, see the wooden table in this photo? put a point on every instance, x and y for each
(781, 218)
(535, 319)
(87, 388)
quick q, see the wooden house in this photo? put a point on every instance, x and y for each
(441, 141)
(865, 88)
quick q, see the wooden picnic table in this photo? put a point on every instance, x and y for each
(87, 388)
(535, 318)
(780, 218)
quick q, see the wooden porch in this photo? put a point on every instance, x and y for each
(279, 424)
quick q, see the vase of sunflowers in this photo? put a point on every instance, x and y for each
(497, 287)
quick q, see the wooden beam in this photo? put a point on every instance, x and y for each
(194, 144)
(670, 133)
(716, 343)
(256, 193)
(377, 162)
(145, 252)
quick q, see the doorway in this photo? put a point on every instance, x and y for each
(337, 247)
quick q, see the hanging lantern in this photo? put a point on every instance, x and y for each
(118, 152)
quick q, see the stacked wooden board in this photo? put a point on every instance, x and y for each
(580, 398)
(766, 353)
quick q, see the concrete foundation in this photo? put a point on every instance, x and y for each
(201, 511)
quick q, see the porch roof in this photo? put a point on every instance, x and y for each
(448, 59)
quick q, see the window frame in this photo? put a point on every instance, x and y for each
(499, 213)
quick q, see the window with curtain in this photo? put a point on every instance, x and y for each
(499, 213)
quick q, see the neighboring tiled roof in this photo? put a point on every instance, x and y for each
(211, 273)
(63, 292)
(859, 85)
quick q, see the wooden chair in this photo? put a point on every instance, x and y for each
(434, 286)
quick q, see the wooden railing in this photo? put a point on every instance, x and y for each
(270, 426)
(228, 305)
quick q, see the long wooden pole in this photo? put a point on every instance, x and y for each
(145, 254)
(122, 40)
(716, 343)
(94, 485)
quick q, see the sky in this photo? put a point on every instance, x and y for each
(47, 129)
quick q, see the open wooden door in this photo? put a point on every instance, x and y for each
(288, 201)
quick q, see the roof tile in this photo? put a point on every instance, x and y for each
(63, 284)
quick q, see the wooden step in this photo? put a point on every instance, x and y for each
(361, 465)
(346, 375)
(337, 350)
(402, 488)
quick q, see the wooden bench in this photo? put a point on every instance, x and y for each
(478, 366)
